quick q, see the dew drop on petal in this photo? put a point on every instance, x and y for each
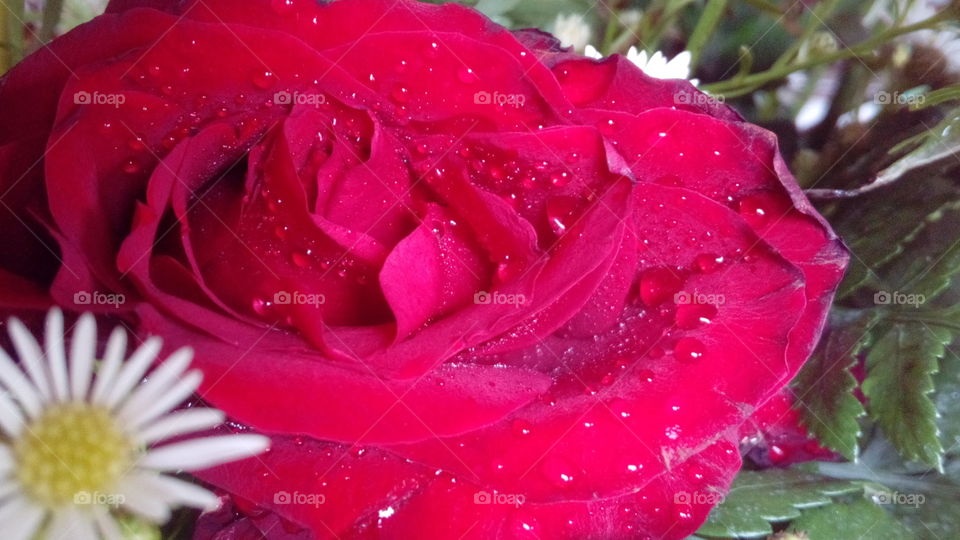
(689, 349)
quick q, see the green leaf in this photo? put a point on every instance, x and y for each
(758, 498)
(874, 239)
(824, 387)
(900, 369)
(947, 400)
(858, 519)
(942, 142)
(934, 257)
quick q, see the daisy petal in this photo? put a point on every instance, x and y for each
(180, 423)
(7, 461)
(56, 359)
(11, 420)
(174, 396)
(112, 358)
(139, 498)
(158, 383)
(205, 452)
(108, 527)
(31, 356)
(83, 346)
(132, 371)
(20, 519)
(19, 386)
(8, 488)
(177, 492)
(69, 523)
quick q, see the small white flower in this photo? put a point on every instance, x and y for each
(75, 447)
(572, 30)
(656, 65)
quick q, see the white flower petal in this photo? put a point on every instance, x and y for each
(132, 371)
(139, 498)
(591, 52)
(11, 420)
(7, 488)
(180, 423)
(56, 358)
(69, 524)
(83, 349)
(177, 492)
(205, 452)
(108, 527)
(20, 519)
(158, 383)
(174, 396)
(19, 386)
(7, 461)
(112, 359)
(31, 356)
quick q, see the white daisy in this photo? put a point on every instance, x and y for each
(75, 448)
(656, 65)
(572, 30)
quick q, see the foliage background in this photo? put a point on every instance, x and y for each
(864, 98)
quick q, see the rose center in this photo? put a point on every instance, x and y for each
(71, 453)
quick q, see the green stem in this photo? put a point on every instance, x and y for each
(52, 12)
(704, 29)
(745, 85)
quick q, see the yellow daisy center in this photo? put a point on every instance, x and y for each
(74, 453)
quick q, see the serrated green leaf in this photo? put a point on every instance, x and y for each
(758, 498)
(934, 258)
(824, 387)
(858, 519)
(947, 400)
(900, 369)
(874, 239)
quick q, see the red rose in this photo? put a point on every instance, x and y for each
(475, 285)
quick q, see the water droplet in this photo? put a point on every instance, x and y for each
(658, 285)
(521, 427)
(467, 75)
(621, 408)
(558, 471)
(762, 209)
(260, 306)
(264, 80)
(707, 262)
(689, 316)
(400, 94)
(302, 260)
(131, 167)
(560, 212)
(283, 7)
(689, 349)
